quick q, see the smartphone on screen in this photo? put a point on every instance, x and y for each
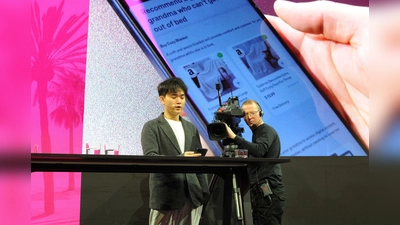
(231, 43)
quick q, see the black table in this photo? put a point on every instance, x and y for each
(224, 167)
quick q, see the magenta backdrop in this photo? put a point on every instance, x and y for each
(58, 62)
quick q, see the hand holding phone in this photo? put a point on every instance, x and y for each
(191, 154)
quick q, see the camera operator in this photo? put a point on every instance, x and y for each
(267, 192)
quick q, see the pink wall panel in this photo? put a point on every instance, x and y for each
(58, 62)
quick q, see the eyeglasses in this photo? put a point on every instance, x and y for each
(251, 113)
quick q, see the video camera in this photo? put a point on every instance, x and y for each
(229, 113)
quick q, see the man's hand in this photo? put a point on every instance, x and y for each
(191, 154)
(231, 134)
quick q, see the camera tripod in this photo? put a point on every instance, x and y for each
(229, 152)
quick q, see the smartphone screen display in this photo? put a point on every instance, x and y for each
(230, 43)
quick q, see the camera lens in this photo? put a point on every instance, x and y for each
(216, 131)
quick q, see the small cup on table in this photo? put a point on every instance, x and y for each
(241, 153)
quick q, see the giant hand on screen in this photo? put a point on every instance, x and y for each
(332, 41)
(385, 72)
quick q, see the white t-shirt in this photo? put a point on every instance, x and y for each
(179, 133)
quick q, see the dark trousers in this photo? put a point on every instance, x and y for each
(266, 210)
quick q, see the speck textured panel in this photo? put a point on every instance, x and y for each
(121, 85)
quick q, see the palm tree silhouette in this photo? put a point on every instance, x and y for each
(57, 48)
(68, 94)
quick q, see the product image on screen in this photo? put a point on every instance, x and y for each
(258, 57)
(205, 73)
(230, 45)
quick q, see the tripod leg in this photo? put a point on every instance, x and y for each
(238, 199)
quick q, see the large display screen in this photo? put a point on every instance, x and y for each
(230, 43)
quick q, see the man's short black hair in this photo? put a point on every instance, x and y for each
(171, 85)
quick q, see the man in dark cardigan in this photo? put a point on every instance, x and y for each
(175, 198)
